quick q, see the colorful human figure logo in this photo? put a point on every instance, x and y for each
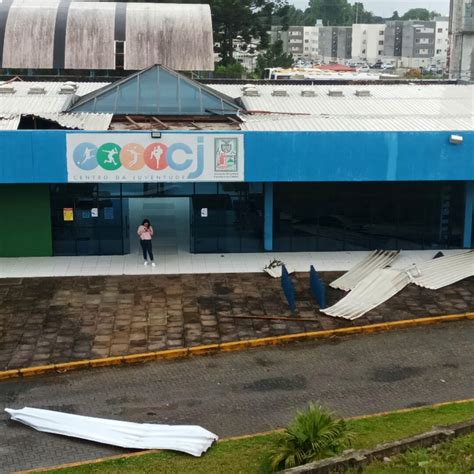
(155, 156)
(132, 156)
(85, 156)
(108, 156)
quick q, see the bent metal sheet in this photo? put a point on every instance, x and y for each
(137, 157)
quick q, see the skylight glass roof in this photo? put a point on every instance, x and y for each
(156, 91)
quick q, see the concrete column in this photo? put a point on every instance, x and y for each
(468, 211)
(268, 217)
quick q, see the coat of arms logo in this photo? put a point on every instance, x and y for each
(226, 154)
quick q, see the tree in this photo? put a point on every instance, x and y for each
(232, 71)
(274, 56)
(395, 15)
(421, 14)
(361, 15)
(332, 12)
(287, 16)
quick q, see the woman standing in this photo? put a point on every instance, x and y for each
(145, 232)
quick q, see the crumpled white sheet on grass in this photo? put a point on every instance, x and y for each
(190, 439)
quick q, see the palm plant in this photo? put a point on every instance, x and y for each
(314, 434)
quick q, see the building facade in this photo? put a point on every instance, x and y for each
(335, 43)
(368, 42)
(462, 40)
(371, 168)
(415, 44)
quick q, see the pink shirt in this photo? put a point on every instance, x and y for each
(144, 233)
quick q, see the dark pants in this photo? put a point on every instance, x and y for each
(147, 249)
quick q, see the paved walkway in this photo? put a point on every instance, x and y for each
(52, 320)
(175, 261)
(239, 393)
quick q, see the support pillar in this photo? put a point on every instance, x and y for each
(268, 217)
(468, 214)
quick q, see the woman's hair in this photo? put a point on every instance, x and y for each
(146, 221)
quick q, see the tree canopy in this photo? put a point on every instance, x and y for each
(421, 14)
(274, 56)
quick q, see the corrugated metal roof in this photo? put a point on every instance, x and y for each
(330, 124)
(51, 101)
(81, 121)
(376, 259)
(9, 123)
(178, 36)
(440, 272)
(389, 107)
(372, 291)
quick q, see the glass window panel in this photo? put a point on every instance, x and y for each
(205, 188)
(148, 102)
(105, 103)
(190, 97)
(127, 98)
(168, 94)
(109, 189)
(211, 104)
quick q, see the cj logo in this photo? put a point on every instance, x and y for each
(157, 157)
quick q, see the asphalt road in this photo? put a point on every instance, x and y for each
(244, 392)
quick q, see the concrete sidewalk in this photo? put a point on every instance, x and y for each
(245, 392)
(177, 262)
(54, 320)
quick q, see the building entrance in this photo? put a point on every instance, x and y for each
(170, 218)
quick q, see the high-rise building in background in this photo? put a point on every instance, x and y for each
(415, 44)
(368, 42)
(335, 43)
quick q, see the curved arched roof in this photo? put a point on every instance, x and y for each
(64, 34)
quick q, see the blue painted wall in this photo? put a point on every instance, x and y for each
(40, 156)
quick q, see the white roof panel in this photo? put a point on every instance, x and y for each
(403, 107)
(9, 123)
(51, 101)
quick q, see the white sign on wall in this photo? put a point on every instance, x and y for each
(136, 157)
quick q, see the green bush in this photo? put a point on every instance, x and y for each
(314, 434)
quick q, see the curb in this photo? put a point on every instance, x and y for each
(229, 346)
(234, 438)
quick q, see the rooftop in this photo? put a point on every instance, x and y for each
(403, 107)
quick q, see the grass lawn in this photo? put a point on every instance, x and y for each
(248, 455)
(454, 457)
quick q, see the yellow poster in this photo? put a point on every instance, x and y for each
(68, 214)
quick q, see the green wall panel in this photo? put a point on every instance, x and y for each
(25, 221)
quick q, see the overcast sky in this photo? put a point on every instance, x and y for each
(385, 8)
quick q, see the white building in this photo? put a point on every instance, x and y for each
(441, 49)
(368, 42)
(311, 42)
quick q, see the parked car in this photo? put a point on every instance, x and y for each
(387, 67)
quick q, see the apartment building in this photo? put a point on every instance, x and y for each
(368, 42)
(335, 43)
(301, 41)
(461, 26)
(414, 44)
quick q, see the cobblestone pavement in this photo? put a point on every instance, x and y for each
(238, 393)
(51, 320)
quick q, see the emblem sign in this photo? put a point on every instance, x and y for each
(136, 157)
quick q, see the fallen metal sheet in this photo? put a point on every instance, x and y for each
(443, 271)
(192, 440)
(376, 259)
(372, 291)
